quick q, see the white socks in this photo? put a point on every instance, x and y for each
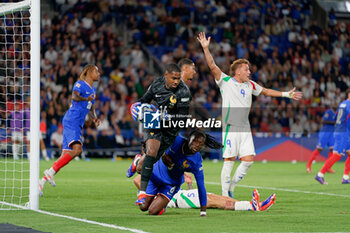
(51, 172)
(226, 177)
(44, 152)
(15, 150)
(243, 205)
(241, 171)
(42, 181)
(345, 177)
(320, 174)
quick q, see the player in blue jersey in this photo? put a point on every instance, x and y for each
(341, 142)
(185, 199)
(168, 173)
(325, 137)
(83, 99)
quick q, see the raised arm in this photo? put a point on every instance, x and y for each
(205, 45)
(292, 94)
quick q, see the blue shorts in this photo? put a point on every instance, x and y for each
(325, 140)
(71, 134)
(342, 143)
(156, 186)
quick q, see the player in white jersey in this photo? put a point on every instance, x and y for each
(236, 91)
(188, 199)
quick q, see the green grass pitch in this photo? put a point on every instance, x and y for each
(99, 191)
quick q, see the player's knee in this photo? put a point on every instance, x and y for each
(143, 207)
(152, 152)
(232, 159)
(247, 163)
(153, 211)
(138, 168)
(77, 152)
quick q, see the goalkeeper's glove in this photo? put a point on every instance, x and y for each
(135, 110)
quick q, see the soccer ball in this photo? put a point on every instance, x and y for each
(146, 108)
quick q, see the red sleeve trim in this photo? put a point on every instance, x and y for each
(253, 85)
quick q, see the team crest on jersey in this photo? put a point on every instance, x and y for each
(185, 164)
(78, 85)
(173, 101)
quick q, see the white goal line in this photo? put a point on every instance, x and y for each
(286, 190)
(76, 219)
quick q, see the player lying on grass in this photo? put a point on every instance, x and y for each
(83, 99)
(186, 199)
(168, 173)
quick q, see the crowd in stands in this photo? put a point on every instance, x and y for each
(285, 46)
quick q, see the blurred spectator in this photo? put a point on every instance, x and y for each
(57, 141)
(275, 36)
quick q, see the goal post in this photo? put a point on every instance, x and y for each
(34, 104)
(19, 104)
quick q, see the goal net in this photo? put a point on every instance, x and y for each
(15, 107)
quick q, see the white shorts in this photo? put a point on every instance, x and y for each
(237, 142)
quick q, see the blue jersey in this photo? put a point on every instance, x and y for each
(342, 123)
(329, 115)
(79, 109)
(182, 163)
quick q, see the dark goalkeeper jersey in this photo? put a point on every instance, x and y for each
(175, 101)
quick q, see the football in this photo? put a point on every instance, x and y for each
(146, 108)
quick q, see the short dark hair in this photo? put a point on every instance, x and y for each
(172, 67)
(185, 61)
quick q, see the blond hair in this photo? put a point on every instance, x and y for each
(86, 69)
(237, 64)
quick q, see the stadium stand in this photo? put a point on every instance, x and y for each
(128, 40)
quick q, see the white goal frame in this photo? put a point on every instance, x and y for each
(34, 5)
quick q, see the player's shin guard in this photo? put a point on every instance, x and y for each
(241, 171)
(226, 177)
(61, 162)
(146, 172)
(329, 163)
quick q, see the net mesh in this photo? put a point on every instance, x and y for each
(14, 106)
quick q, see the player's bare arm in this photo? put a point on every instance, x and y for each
(292, 94)
(327, 122)
(76, 97)
(211, 63)
(93, 116)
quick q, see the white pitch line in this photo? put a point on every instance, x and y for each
(77, 219)
(287, 190)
